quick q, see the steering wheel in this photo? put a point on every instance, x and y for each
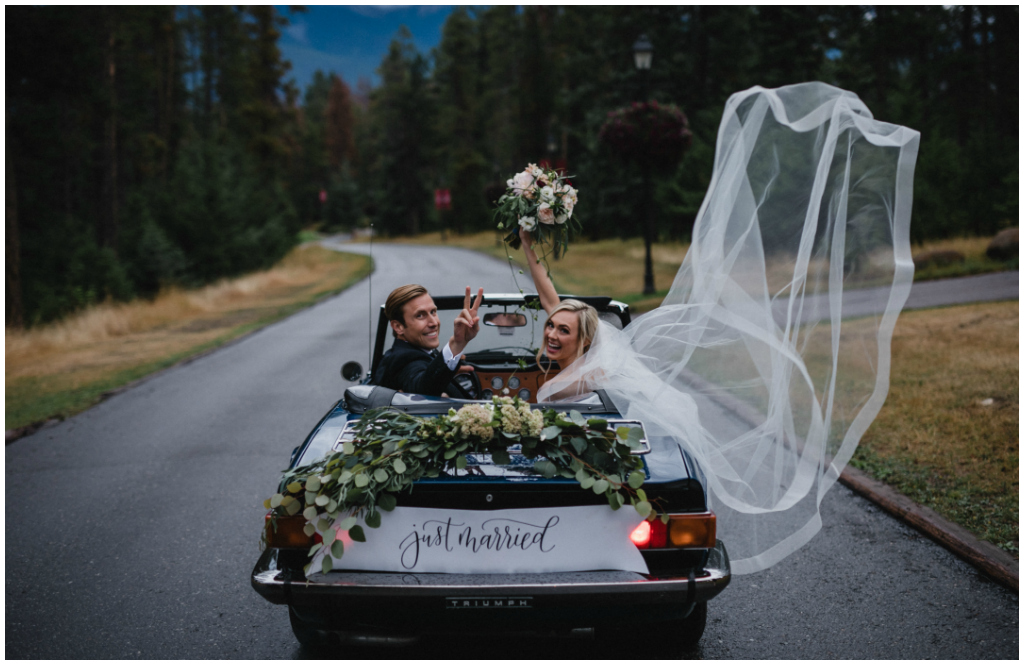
(470, 384)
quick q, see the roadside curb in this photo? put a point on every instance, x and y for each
(984, 556)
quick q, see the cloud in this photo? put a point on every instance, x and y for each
(377, 11)
(297, 31)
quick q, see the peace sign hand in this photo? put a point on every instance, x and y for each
(467, 323)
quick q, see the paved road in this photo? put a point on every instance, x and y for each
(938, 293)
(131, 529)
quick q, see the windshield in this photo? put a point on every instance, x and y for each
(493, 338)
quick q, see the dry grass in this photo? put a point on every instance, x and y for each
(51, 369)
(949, 433)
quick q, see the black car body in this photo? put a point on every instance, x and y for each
(397, 606)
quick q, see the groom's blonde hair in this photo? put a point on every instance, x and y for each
(586, 328)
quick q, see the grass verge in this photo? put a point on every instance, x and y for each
(61, 369)
(948, 435)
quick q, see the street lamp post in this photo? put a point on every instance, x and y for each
(643, 52)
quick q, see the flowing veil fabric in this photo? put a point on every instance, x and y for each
(769, 357)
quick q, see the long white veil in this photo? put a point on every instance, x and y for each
(769, 357)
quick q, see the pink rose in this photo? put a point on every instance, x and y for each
(545, 214)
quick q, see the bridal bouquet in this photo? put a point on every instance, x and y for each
(541, 202)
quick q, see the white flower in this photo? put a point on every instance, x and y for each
(560, 219)
(528, 223)
(534, 170)
(521, 183)
(547, 194)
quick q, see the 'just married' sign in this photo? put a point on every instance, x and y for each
(534, 540)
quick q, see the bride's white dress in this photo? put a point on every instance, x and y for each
(748, 361)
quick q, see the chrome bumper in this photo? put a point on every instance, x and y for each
(594, 595)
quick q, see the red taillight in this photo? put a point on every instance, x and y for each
(288, 532)
(685, 530)
(641, 535)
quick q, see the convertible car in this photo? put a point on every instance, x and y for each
(686, 566)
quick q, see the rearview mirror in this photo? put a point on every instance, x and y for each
(505, 320)
(351, 371)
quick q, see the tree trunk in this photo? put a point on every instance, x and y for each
(15, 313)
(108, 216)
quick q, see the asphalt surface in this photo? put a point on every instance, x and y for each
(938, 293)
(131, 529)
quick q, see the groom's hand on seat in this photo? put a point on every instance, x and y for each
(467, 323)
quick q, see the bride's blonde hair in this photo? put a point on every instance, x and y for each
(587, 322)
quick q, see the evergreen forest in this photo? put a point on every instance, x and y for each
(152, 146)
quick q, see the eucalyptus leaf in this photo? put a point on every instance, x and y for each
(332, 506)
(323, 525)
(309, 529)
(310, 497)
(640, 494)
(338, 549)
(380, 475)
(322, 500)
(275, 500)
(295, 487)
(636, 479)
(579, 444)
(399, 466)
(266, 504)
(549, 433)
(587, 482)
(356, 534)
(329, 535)
(293, 508)
(347, 523)
(387, 502)
(600, 486)
(362, 480)
(327, 565)
(314, 549)
(460, 462)
(644, 508)
(501, 457)
(545, 468)
(312, 484)
(372, 520)
(577, 418)
(615, 500)
(448, 454)
(348, 448)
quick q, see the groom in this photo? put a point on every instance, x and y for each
(412, 364)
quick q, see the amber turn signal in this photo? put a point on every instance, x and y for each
(287, 532)
(692, 530)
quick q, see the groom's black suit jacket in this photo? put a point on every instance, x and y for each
(414, 370)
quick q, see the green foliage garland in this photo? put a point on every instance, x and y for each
(391, 450)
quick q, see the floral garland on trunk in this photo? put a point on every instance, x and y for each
(392, 449)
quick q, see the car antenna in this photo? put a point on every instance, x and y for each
(369, 305)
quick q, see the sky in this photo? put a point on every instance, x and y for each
(351, 40)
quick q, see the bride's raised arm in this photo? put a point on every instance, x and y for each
(545, 289)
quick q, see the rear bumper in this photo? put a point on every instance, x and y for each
(342, 599)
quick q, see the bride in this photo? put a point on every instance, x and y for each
(749, 362)
(571, 325)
